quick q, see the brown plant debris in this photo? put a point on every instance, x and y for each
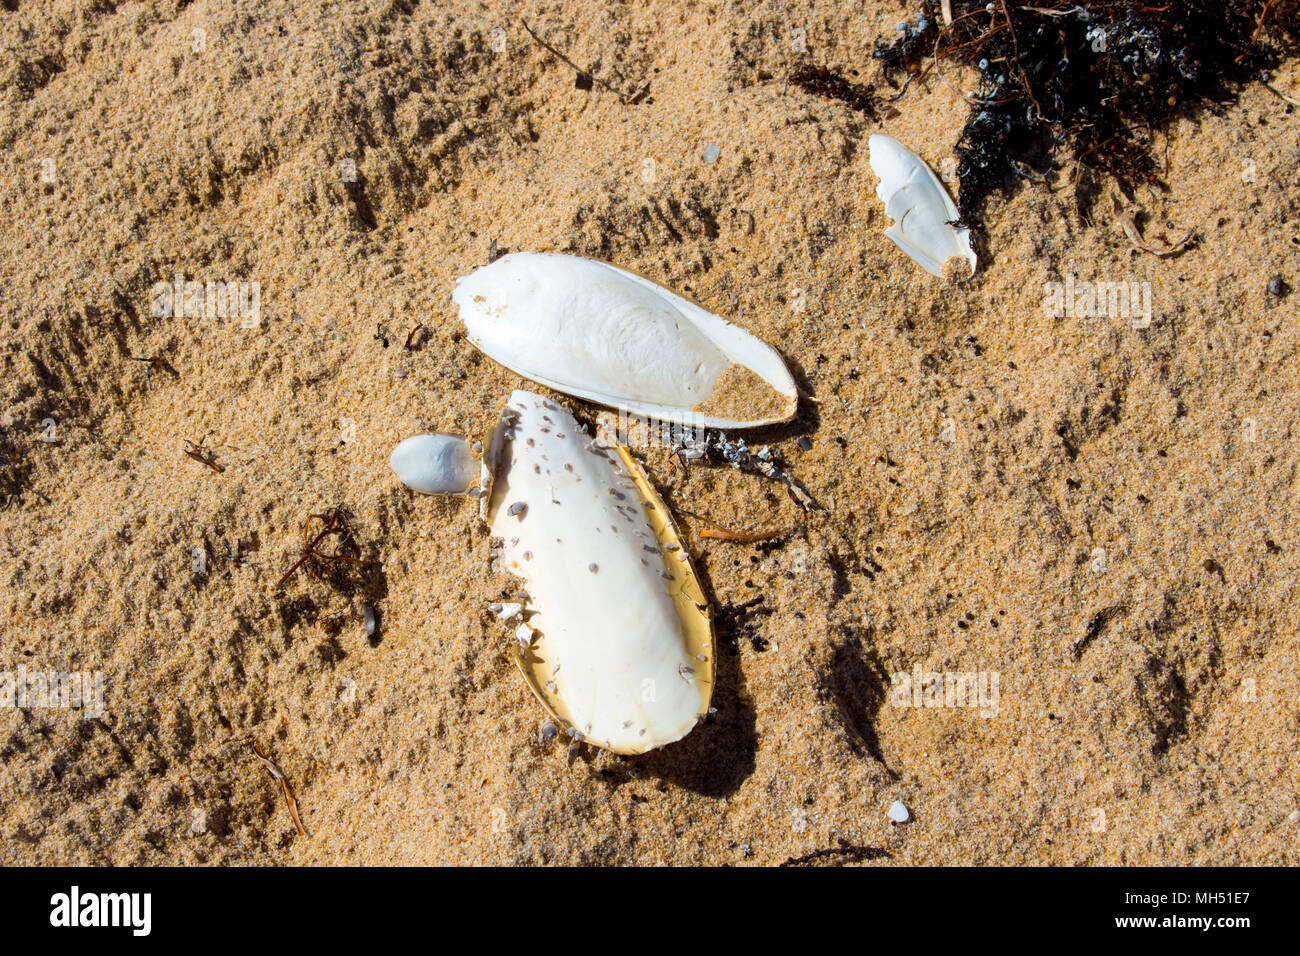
(333, 523)
(203, 455)
(278, 774)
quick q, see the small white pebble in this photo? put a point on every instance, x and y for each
(506, 611)
(1294, 816)
(898, 812)
(524, 635)
(435, 464)
(712, 152)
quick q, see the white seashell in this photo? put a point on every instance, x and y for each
(435, 464)
(615, 656)
(920, 207)
(604, 334)
(898, 812)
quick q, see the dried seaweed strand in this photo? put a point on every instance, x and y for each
(333, 524)
(1024, 77)
(278, 774)
(410, 336)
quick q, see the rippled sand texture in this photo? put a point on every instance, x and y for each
(1097, 509)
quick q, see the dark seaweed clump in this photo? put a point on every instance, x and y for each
(1094, 77)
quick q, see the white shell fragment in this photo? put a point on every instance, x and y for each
(598, 332)
(506, 611)
(898, 812)
(435, 464)
(921, 208)
(616, 657)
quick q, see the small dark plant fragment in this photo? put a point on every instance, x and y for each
(1094, 627)
(844, 852)
(204, 456)
(823, 82)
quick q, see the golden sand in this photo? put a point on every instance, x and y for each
(1100, 510)
(741, 393)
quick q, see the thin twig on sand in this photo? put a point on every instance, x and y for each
(720, 533)
(625, 100)
(278, 774)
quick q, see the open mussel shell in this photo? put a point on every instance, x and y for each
(600, 333)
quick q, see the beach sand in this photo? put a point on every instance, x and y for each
(1096, 512)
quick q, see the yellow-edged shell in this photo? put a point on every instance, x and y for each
(622, 651)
